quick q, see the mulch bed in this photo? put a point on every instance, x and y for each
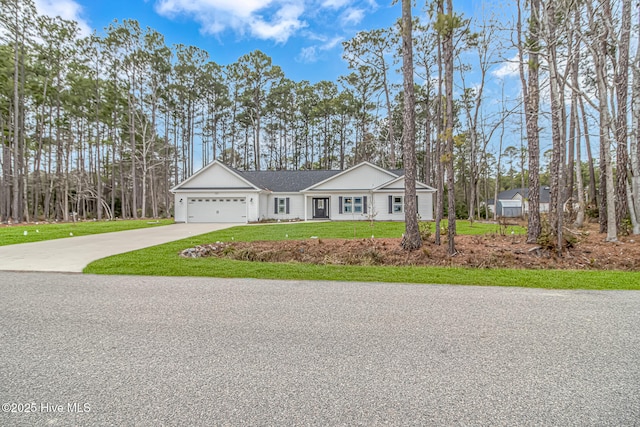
(589, 252)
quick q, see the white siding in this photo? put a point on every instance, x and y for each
(381, 205)
(264, 207)
(253, 206)
(180, 207)
(425, 206)
(215, 176)
(364, 177)
(296, 206)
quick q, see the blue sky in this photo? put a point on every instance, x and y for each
(302, 36)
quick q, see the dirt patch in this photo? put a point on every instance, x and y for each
(589, 252)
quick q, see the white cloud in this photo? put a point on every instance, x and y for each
(509, 68)
(308, 55)
(312, 54)
(65, 9)
(264, 19)
(286, 22)
(330, 44)
(276, 20)
(335, 4)
(352, 16)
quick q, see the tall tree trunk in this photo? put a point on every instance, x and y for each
(531, 92)
(575, 129)
(439, 143)
(635, 139)
(497, 186)
(556, 211)
(5, 186)
(622, 86)
(17, 163)
(411, 239)
(448, 82)
(428, 179)
(593, 199)
(607, 187)
(392, 136)
(132, 147)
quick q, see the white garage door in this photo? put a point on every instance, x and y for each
(206, 209)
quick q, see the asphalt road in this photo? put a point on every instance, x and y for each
(186, 351)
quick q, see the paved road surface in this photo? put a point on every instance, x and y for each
(74, 253)
(193, 351)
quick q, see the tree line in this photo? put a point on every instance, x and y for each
(103, 126)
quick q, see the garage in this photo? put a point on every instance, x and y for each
(216, 209)
(510, 208)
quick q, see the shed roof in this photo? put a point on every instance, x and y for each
(545, 194)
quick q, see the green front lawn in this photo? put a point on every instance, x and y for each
(163, 260)
(341, 230)
(39, 232)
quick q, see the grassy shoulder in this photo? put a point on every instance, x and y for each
(39, 232)
(163, 260)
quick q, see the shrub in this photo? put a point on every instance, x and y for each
(425, 230)
(549, 240)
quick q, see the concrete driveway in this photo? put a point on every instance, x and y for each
(74, 253)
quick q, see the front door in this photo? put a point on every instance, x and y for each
(321, 208)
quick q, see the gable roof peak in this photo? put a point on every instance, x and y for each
(210, 166)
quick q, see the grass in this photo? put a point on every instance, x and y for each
(40, 232)
(163, 260)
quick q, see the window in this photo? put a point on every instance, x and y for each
(398, 204)
(353, 204)
(347, 205)
(281, 205)
(357, 204)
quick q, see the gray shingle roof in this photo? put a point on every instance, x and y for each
(545, 194)
(287, 180)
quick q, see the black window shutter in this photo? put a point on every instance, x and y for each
(390, 204)
(275, 206)
(340, 204)
(287, 205)
(364, 202)
(417, 210)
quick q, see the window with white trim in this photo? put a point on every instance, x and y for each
(281, 205)
(357, 204)
(347, 205)
(398, 204)
(353, 204)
